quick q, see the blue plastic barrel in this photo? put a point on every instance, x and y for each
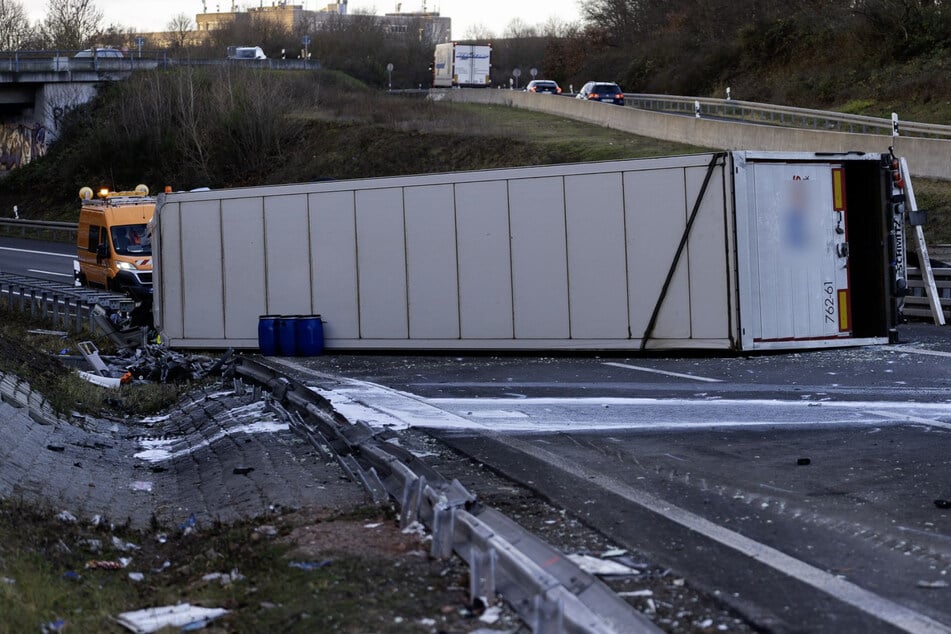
(310, 335)
(267, 335)
(287, 335)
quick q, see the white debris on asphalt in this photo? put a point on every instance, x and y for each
(636, 593)
(940, 583)
(491, 615)
(601, 567)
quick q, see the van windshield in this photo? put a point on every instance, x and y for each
(131, 240)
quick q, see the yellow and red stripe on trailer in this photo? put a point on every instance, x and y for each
(839, 206)
(838, 189)
(845, 310)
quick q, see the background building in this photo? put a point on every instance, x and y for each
(289, 16)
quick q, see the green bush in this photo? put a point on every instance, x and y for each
(857, 106)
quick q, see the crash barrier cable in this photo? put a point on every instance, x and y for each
(503, 558)
(67, 305)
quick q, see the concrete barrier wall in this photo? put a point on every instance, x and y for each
(928, 158)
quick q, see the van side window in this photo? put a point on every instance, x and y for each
(94, 233)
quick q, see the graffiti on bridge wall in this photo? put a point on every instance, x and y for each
(20, 144)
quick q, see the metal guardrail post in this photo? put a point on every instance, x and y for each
(410, 500)
(482, 560)
(444, 521)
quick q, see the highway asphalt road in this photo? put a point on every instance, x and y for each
(35, 258)
(810, 490)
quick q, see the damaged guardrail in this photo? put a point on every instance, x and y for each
(549, 591)
(67, 305)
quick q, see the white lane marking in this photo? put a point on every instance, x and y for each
(69, 275)
(908, 418)
(499, 413)
(380, 406)
(873, 604)
(664, 372)
(56, 255)
(934, 353)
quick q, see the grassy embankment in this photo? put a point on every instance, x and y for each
(314, 126)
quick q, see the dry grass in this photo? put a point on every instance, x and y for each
(387, 584)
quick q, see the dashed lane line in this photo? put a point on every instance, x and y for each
(71, 256)
(639, 368)
(69, 275)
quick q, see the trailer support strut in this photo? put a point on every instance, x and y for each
(680, 249)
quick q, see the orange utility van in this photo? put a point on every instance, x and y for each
(114, 249)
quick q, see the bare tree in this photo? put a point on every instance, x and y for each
(14, 26)
(556, 27)
(478, 31)
(71, 24)
(519, 28)
(625, 20)
(179, 27)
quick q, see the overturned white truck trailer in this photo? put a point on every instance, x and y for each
(731, 250)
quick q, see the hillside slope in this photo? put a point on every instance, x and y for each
(209, 128)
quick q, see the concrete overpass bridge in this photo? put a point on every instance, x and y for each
(38, 88)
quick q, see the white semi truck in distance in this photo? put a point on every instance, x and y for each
(462, 65)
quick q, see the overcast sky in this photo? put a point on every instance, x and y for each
(154, 15)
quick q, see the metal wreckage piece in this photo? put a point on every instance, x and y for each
(157, 364)
(151, 363)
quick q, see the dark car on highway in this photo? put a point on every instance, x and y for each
(604, 91)
(542, 86)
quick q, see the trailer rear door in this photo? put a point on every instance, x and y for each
(472, 65)
(799, 253)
